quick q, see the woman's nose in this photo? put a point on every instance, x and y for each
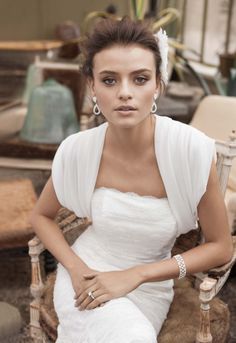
(125, 91)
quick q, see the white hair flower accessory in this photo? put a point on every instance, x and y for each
(162, 41)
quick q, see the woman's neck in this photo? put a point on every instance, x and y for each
(132, 141)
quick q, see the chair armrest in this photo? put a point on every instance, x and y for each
(36, 247)
(67, 221)
(207, 289)
(222, 270)
(219, 274)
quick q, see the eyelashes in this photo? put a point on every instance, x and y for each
(109, 81)
(139, 80)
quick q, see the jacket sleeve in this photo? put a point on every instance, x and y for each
(57, 173)
(64, 172)
(202, 154)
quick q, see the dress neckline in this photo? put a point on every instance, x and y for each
(158, 120)
(133, 194)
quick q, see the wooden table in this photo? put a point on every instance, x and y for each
(38, 171)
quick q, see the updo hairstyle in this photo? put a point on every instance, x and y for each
(109, 32)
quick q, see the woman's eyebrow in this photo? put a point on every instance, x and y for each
(133, 72)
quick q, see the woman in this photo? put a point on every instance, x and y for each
(144, 180)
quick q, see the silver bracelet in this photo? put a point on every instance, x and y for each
(182, 267)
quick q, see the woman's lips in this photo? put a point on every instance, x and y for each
(125, 110)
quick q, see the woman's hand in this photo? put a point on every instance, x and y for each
(77, 279)
(106, 286)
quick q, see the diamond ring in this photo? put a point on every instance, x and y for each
(90, 294)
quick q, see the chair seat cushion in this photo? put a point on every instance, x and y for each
(17, 199)
(183, 317)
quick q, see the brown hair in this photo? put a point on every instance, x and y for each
(110, 32)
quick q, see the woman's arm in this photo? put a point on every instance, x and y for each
(42, 220)
(217, 249)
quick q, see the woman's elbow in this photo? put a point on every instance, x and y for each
(32, 218)
(228, 252)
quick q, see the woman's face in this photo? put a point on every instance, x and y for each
(124, 82)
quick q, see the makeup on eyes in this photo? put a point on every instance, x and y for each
(142, 78)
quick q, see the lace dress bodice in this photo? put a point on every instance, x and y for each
(127, 230)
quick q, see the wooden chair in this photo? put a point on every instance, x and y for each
(184, 323)
(216, 117)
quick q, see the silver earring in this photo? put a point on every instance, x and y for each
(96, 109)
(154, 105)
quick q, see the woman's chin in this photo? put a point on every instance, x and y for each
(127, 122)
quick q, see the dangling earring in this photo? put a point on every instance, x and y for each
(96, 109)
(154, 105)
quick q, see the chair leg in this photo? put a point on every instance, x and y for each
(36, 288)
(207, 289)
(204, 333)
(35, 329)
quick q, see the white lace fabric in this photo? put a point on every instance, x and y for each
(127, 230)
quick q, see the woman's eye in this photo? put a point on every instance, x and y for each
(141, 79)
(109, 81)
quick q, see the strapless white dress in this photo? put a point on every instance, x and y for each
(127, 230)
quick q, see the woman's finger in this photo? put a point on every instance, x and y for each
(85, 286)
(101, 300)
(80, 300)
(90, 303)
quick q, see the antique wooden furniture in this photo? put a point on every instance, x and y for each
(184, 324)
(216, 116)
(17, 199)
(15, 57)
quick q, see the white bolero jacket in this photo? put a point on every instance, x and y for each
(184, 156)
